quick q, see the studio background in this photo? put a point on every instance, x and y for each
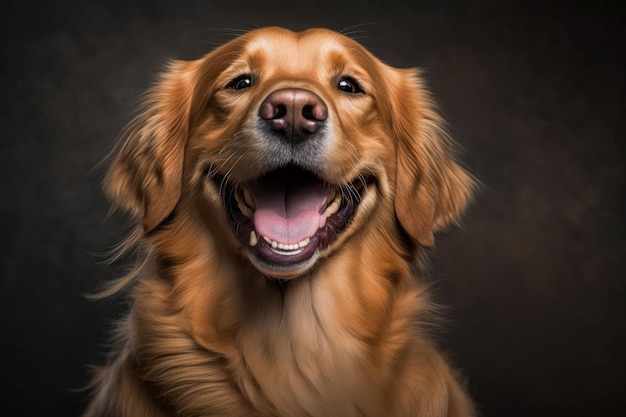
(534, 92)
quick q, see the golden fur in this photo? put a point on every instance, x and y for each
(208, 334)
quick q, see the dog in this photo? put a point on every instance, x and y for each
(286, 188)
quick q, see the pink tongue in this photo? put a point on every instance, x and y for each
(289, 212)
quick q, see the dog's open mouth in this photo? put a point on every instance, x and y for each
(286, 217)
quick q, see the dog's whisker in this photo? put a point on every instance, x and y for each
(226, 178)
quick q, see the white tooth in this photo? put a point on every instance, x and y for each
(249, 199)
(245, 210)
(333, 207)
(337, 198)
(286, 246)
(253, 239)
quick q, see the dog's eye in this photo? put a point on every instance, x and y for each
(349, 85)
(241, 82)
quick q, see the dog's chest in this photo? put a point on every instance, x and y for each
(302, 361)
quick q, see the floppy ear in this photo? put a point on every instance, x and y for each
(145, 177)
(432, 190)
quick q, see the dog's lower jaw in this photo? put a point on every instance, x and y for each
(284, 272)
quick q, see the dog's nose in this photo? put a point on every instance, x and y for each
(294, 113)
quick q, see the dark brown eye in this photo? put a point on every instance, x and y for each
(349, 85)
(241, 82)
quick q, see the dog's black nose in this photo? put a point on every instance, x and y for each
(294, 113)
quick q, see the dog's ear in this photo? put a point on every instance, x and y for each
(145, 177)
(432, 190)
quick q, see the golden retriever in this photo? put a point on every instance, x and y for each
(285, 186)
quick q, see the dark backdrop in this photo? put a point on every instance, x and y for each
(533, 92)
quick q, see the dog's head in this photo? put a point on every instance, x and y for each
(290, 144)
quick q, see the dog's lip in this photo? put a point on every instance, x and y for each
(287, 260)
(274, 264)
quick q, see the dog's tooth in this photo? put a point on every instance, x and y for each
(253, 239)
(332, 209)
(334, 206)
(286, 246)
(249, 199)
(338, 198)
(245, 210)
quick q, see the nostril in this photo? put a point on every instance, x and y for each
(281, 111)
(307, 112)
(271, 110)
(316, 112)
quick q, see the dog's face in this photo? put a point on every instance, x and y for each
(287, 145)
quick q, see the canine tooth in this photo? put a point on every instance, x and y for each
(337, 198)
(249, 199)
(304, 242)
(245, 210)
(274, 244)
(332, 209)
(334, 206)
(243, 207)
(253, 239)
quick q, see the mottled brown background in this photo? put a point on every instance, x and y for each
(534, 92)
